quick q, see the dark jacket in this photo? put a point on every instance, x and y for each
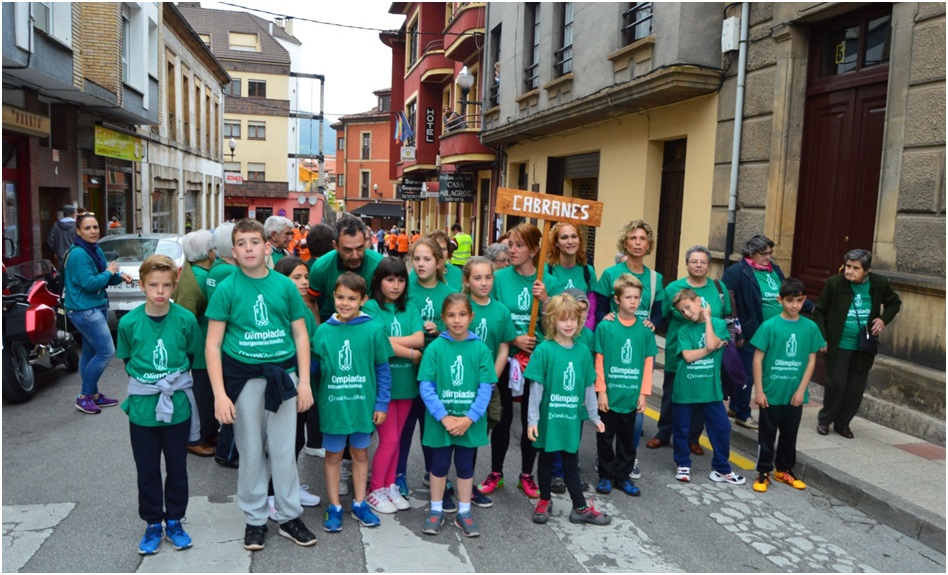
(60, 239)
(740, 279)
(834, 304)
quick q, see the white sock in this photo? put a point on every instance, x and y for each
(464, 507)
(436, 507)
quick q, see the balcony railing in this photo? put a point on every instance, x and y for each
(564, 60)
(638, 22)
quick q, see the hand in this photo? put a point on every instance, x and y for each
(304, 398)
(609, 317)
(601, 427)
(761, 400)
(648, 324)
(113, 267)
(525, 342)
(641, 404)
(126, 278)
(603, 402)
(533, 432)
(877, 326)
(739, 343)
(797, 399)
(431, 328)
(823, 349)
(539, 291)
(224, 410)
(379, 417)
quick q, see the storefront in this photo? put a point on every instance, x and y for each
(108, 182)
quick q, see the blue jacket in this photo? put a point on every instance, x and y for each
(85, 285)
(748, 300)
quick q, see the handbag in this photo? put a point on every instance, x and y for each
(868, 343)
(733, 376)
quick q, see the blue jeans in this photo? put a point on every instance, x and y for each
(97, 347)
(719, 433)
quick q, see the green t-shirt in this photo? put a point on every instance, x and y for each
(857, 316)
(493, 325)
(347, 355)
(565, 374)
(429, 302)
(457, 369)
(575, 277)
(624, 349)
(155, 350)
(201, 275)
(398, 324)
(604, 287)
(453, 276)
(220, 271)
(769, 283)
(516, 293)
(259, 313)
(787, 346)
(325, 272)
(675, 320)
(699, 381)
(587, 337)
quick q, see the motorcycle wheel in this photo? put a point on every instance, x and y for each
(19, 384)
(72, 360)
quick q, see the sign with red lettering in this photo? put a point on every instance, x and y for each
(233, 178)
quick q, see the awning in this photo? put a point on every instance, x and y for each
(379, 211)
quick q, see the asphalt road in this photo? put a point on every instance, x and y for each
(69, 505)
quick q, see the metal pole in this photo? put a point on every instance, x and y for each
(321, 181)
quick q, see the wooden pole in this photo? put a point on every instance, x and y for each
(535, 309)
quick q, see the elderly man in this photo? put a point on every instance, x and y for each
(279, 231)
(349, 255)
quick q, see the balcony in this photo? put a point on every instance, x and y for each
(461, 144)
(432, 66)
(464, 35)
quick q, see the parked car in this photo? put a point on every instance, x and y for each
(130, 251)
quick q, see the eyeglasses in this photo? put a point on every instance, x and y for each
(768, 253)
(697, 263)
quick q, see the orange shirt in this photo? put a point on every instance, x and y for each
(402, 243)
(415, 238)
(392, 242)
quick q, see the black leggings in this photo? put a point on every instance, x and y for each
(571, 473)
(500, 436)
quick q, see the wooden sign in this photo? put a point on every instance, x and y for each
(548, 208)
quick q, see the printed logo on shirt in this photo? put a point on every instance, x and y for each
(701, 342)
(857, 300)
(481, 330)
(792, 345)
(395, 330)
(627, 352)
(569, 378)
(159, 357)
(261, 316)
(524, 300)
(569, 284)
(345, 357)
(772, 283)
(427, 313)
(457, 372)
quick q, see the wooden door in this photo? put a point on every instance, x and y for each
(668, 242)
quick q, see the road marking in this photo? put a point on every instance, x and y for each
(26, 527)
(736, 458)
(776, 536)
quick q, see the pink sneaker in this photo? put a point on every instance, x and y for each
(493, 482)
(528, 486)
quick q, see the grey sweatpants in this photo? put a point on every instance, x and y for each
(257, 433)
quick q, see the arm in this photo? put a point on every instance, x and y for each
(429, 395)
(591, 411)
(223, 406)
(503, 351)
(414, 341)
(479, 406)
(797, 398)
(304, 391)
(383, 380)
(761, 399)
(533, 410)
(647, 375)
(600, 384)
(891, 304)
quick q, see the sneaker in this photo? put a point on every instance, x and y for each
(528, 486)
(629, 488)
(87, 405)
(151, 540)
(636, 472)
(395, 496)
(175, 533)
(295, 530)
(589, 514)
(763, 480)
(379, 502)
(558, 485)
(732, 478)
(315, 452)
(333, 520)
(541, 514)
(307, 499)
(478, 499)
(493, 482)
(465, 522)
(365, 516)
(271, 503)
(447, 503)
(433, 523)
(683, 474)
(345, 474)
(788, 478)
(254, 537)
(604, 486)
(749, 423)
(402, 482)
(103, 401)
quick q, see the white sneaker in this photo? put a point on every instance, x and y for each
(395, 496)
(307, 499)
(732, 478)
(379, 502)
(273, 509)
(345, 474)
(315, 451)
(636, 472)
(683, 474)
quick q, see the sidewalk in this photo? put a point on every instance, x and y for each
(897, 479)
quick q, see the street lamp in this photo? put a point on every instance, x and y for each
(232, 144)
(465, 82)
(375, 190)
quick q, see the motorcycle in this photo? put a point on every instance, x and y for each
(35, 329)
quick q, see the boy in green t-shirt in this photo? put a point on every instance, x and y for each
(158, 342)
(257, 350)
(698, 387)
(785, 349)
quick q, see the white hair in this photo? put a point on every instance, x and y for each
(197, 245)
(224, 240)
(276, 224)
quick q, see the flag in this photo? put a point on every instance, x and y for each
(406, 132)
(398, 127)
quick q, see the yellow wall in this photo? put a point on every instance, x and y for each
(630, 169)
(278, 86)
(274, 150)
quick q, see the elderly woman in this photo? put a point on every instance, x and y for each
(697, 261)
(755, 282)
(498, 254)
(849, 301)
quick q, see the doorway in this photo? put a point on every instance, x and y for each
(668, 243)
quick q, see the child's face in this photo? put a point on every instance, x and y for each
(300, 277)
(458, 320)
(250, 250)
(392, 288)
(157, 286)
(629, 301)
(691, 309)
(348, 303)
(481, 280)
(567, 325)
(792, 304)
(424, 262)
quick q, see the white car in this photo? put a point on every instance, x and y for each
(130, 250)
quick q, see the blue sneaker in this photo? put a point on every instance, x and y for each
(433, 523)
(604, 486)
(151, 540)
(401, 481)
(175, 533)
(365, 516)
(478, 499)
(467, 525)
(333, 521)
(628, 487)
(447, 503)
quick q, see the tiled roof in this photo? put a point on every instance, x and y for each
(219, 23)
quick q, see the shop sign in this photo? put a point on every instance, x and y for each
(112, 144)
(456, 187)
(429, 125)
(411, 189)
(233, 178)
(408, 153)
(26, 122)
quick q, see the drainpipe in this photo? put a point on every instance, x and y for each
(738, 128)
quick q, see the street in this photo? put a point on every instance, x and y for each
(69, 505)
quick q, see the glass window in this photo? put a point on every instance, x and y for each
(233, 89)
(564, 56)
(637, 22)
(366, 146)
(840, 51)
(340, 180)
(244, 42)
(257, 88)
(11, 228)
(232, 129)
(263, 214)
(232, 167)
(162, 211)
(412, 43)
(126, 41)
(878, 41)
(341, 144)
(364, 177)
(256, 130)
(531, 73)
(256, 172)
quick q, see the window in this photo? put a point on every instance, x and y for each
(341, 144)
(198, 113)
(637, 21)
(301, 215)
(411, 113)
(240, 42)
(162, 210)
(256, 88)
(564, 56)
(340, 180)
(256, 130)
(171, 89)
(366, 146)
(412, 43)
(126, 42)
(495, 58)
(232, 129)
(364, 177)
(385, 103)
(857, 46)
(256, 172)
(54, 19)
(531, 73)
(206, 38)
(232, 167)
(233, 89)
(186, 105)
(263, 213)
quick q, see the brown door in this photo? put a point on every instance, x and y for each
(668, 242)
